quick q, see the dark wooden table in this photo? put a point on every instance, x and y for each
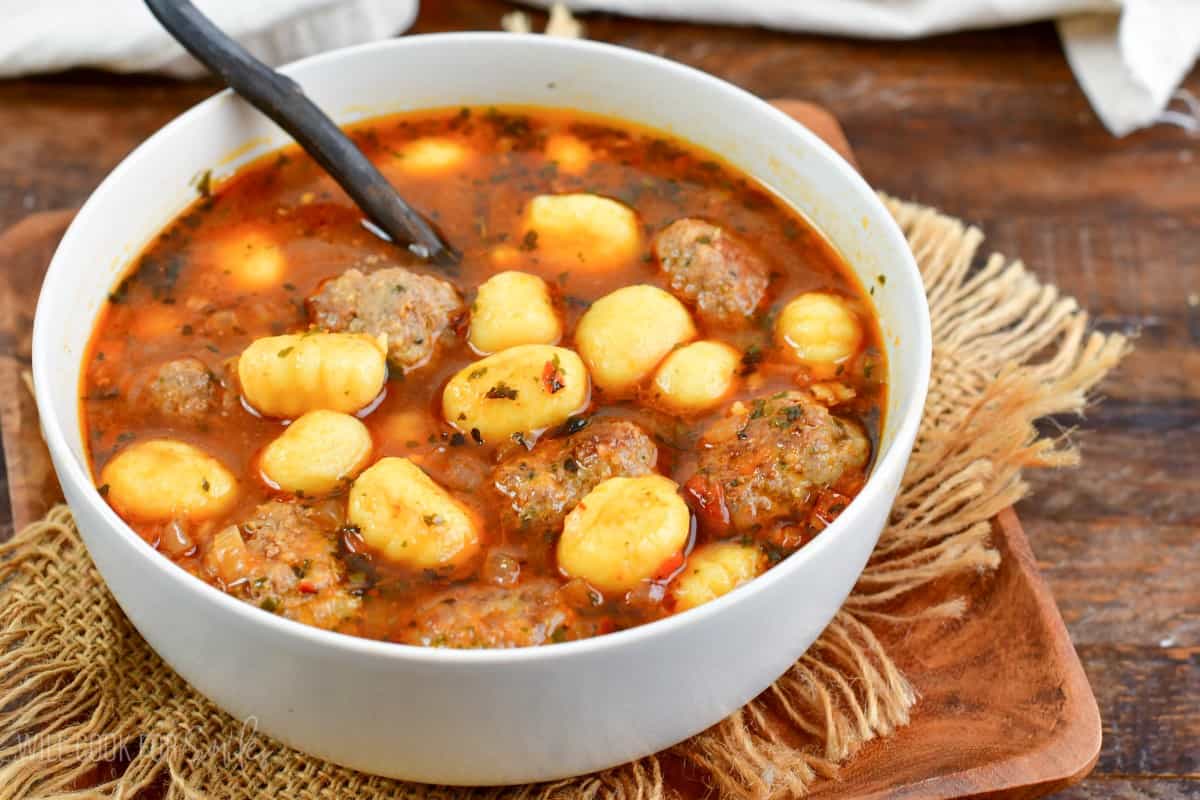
(989, 126)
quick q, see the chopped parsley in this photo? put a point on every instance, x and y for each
(501, 391)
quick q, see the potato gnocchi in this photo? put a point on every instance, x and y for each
(569, 154)
(624, 335)
(319, 452)
(409, 519)
(252, 259)
(715, 570)
(821, 332)
(286, 376)
(583, 232)
(513, 308)
(624, 532)
(696, 377)
(519, 391)
(163, 479)
(432, 157)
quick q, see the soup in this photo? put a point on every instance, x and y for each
(647, 381)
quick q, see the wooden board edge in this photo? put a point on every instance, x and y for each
(1072, 755)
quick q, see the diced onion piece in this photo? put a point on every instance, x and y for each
(624, 531)
(227, 556)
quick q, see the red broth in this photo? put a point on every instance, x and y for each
(179, 300)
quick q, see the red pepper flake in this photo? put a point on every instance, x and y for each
(306, 587)
(552, 376)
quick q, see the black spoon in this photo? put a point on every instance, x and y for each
(282, 99)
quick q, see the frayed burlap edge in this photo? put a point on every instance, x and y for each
(79, 687)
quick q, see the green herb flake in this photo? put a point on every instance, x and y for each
(285, 351)
(501, 391)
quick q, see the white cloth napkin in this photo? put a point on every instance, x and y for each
(122, 36)
(1128, 55)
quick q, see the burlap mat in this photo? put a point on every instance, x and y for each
(85, 702)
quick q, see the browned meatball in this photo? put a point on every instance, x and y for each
(415, 311)
(184, 389)
(764, 465)
(713, 271)
(525, 615)
(540, 487)
(286, 562)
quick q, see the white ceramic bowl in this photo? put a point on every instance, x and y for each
(481, 717)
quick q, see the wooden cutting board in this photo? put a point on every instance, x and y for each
(1005, 711)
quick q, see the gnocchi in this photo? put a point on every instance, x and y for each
(251, 258)
(409, 519)
(624, 335)
(513, 308)
(163, 479)
(716, 569)
(432, 156)
(286, 376)
(317, 453)
(696, 377)
(522, 390)
(820, 330)
(624, 531)
(572, 155)
(582, 231)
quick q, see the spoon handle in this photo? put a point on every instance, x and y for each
(282, 99)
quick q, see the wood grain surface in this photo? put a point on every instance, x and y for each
(990, 126)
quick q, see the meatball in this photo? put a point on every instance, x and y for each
(540, 487)
(528, 614)
(284, 559)
(415, 311)
(762, 469)
(184, 389)
(713, 271)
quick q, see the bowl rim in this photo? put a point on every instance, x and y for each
(874, 490)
